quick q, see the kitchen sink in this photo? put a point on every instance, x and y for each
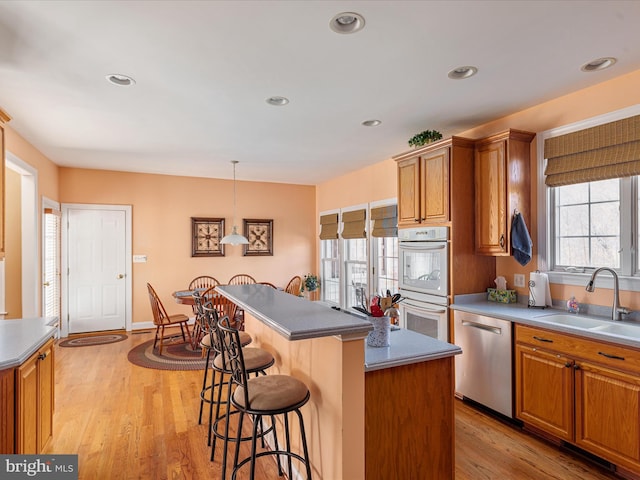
(593, 324)
(623, 329)
(572, 320)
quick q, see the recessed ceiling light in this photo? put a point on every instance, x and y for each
(120, 80)
(277, 101)
(371, 123)
(347, 22)
(598, 64)
(462, 72)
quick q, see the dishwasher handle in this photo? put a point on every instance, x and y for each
(480, 326)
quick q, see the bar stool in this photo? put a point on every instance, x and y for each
(268, 395)
(208, 323)
(257, 361)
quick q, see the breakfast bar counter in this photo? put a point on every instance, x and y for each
(375, 412)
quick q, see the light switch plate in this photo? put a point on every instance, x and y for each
(139, 259)
(518, 280)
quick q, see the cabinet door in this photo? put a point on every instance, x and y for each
(409, 194)
(2, 166)
(491, 201)
(27, 407)
(435, 186)
(608, 414)
(544, 390)
(45, 395)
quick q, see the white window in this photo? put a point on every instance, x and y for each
(584, 226)
(353, 269)
(330, 271)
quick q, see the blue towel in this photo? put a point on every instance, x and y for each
(520, 240)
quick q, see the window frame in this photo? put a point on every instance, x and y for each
(371, 247)
(545, 216)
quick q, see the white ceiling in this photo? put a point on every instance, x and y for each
(204, 69)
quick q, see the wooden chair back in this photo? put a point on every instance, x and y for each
(220, 303)
(268, 284)
(203, 282)
(294, 286)
(160, 316)
(242, 279)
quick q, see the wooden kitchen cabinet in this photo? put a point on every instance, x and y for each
(502, 186)
(34, 401)
(425, 176)
(4, 118)
(582, 391)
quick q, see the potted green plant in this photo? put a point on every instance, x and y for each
(310, 283)
(425, 137)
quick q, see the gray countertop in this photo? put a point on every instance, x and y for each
(19, 339)
(296, 318)
(521, 313)
(407, 347)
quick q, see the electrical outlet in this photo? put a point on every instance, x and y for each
(518, 280)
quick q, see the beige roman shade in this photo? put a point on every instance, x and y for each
(354, 224)
(385, 221)
(606, 151)
(329, 226)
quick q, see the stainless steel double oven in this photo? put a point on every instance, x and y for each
(424, 280)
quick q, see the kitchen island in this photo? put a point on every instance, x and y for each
(374, 413)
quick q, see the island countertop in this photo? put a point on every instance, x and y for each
(19, 339)
(295, 318)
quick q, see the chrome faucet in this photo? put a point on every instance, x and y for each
(618, 311)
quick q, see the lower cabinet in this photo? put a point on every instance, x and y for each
(34, 401)
(582, 391)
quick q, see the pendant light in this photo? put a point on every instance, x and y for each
(235, 238)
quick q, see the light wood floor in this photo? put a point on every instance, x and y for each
(128, 422)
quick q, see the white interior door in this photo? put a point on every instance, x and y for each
(97, 269)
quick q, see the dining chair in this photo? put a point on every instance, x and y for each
(262, 396)
(241, 279)
(294, 286)
(268, 284)
(162, 320)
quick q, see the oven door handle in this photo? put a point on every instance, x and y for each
(423, 308)
(423, 246)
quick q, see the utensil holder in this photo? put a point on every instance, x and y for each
(381, 333)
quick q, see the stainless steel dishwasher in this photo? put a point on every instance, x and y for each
(484, 370)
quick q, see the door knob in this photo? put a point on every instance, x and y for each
(46, 284)
(120, 276)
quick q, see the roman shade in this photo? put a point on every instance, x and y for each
(605, 151)
(385, 221)
(329, 226)
(354, 224)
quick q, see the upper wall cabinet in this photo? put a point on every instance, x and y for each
(502, 187)
(4, 118)
(424, 177)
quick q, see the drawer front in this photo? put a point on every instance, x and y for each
(604, 353)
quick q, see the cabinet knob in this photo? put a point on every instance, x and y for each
(502, 241)
(568, 364)
(576, 366)
(42, 356)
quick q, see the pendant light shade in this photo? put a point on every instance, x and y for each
(235, 238)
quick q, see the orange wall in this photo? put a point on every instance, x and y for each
(13, 246)
(162, 209)
(361, 186)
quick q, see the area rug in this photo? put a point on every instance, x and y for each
(90, 340)
(180, 356)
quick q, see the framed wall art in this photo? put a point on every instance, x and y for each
(260, 236)
(206, 234)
